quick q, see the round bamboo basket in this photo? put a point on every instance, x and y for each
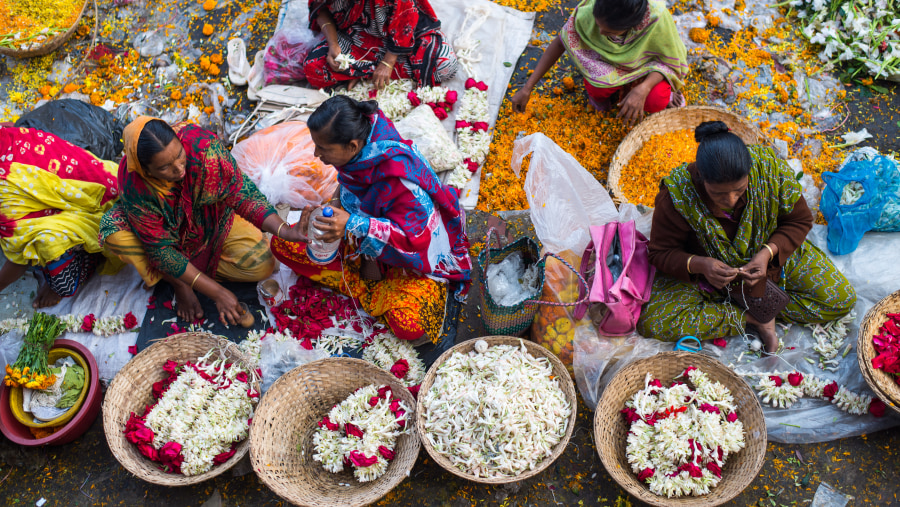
(670, 120)
(565, 383)
(879, 381)
(131, 391)
(281, 443)
(610, 429)
(50, 44)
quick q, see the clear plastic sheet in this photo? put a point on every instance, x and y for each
(279, 357)
(809, 420)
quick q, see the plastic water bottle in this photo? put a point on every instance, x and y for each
(319, 251)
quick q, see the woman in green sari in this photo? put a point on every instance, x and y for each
(735, 216)
(628, 51)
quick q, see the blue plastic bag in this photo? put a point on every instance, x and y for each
(878, 209)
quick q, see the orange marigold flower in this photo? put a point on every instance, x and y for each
(557, 91)
(569, 83)
(96, 99)
(209, 110)
(70, 88)
(213, 69)
(639, 181)
(209, 5)
(207, 29)
(216, 59)
(204, 62)
(699, 35)
(176, 95)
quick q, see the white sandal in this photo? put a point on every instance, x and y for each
(238, 66)
(256, 78)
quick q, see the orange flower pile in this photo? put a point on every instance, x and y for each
(28, 18)
(699, 35)
(639, 181)
(590, 137)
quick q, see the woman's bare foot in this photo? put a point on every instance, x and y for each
(187, 305)
(45, 297)
(767, 334)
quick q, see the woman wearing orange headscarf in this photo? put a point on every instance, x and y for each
(188, 215)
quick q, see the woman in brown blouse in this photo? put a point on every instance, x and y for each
(735, 217)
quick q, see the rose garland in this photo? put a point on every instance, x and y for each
(199, 414)
(399, 97)
(782, 390)
(361, 433)
(472, 132)
(679, 438)
(104, 326)
(387, 352)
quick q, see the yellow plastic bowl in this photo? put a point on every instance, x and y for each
(16, 396)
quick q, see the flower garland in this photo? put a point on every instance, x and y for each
(472, 132)
(104, 326)
(361, 433)
(782, 390)
(830, 339)
(388, 352)
(399, 97)
(679, 438)
(495, 412)
(199, 414)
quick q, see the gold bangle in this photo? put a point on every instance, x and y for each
(771, 252)
(278, 231)
(689, 264)
(323, 26)
(195, 279)
(388, 65)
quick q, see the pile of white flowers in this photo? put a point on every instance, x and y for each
(361, 433)
(782, 390)
(680, 437)
(399, 357)
(496, 411)
(862, 32)
(205, 415)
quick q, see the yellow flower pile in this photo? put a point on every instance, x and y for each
(30, 369)
(639, 181)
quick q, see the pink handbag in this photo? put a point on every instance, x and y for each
(617, 268)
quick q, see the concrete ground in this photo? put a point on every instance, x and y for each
(85, 472)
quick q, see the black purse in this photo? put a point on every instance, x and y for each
(764, 308)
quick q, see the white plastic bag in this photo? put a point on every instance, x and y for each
(279, 357)
(423, 128)
(281, 162)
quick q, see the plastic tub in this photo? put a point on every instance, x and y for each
(20, 434)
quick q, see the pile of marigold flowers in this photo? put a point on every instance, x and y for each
(30, 369)
(23, 22)
(639, 181)
(589, 136)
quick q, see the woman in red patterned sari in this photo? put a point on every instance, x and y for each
(389, 39)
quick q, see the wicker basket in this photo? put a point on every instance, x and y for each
(49, 45)
(671, 120)
(610, 428)
(131, 391)
(286, 420)
(882, 383)
(565, 383)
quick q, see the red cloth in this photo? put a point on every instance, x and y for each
(657, 100)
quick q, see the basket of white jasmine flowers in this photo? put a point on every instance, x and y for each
(337, 431)
(496, 410)
(680, 428)
(179, 412)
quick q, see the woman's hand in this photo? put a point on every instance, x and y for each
(756, 269)
(717, 273)
(520, 99)
(228, 305)
(332, 228)
(334, 51)
(631, 108)
(382, 75)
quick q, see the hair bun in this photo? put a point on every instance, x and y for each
(709, 128)
(367, 107)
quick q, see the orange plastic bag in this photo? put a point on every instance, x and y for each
(281, 162)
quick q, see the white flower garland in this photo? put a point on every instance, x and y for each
(205, 416)
(104, 326)
(782, 390)
(495, 412)
(680, 438)
(386, 351)
(361, 433)
(473, 134)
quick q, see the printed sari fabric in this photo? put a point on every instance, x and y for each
(401, 213)
(412, 306)
(188, 221)
(52, 197)
(369, 28)
(819, 292)
(611, 62)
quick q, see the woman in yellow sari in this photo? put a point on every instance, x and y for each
(52, 196)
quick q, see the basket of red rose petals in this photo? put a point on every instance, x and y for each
(179, 412)
(878, 349)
